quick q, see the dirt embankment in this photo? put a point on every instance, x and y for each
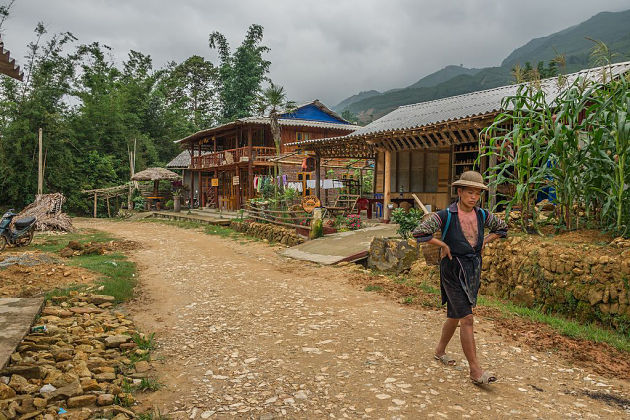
(30, 274)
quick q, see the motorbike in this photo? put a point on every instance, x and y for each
(20, 234)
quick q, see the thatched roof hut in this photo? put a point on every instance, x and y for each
(155, 174)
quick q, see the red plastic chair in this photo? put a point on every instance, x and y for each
(364, 204)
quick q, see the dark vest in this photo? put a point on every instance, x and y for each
(455, 238)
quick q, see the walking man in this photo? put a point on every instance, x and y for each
(462, 225)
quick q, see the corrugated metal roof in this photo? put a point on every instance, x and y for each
(469, 105)
(289, 122)
(182, 160)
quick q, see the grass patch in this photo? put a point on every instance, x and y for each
(569, 328)
(144, 342)
(373, 288)
(427, 288)
(118, 274)
(65, 291)
(222, 231)
(217, 230)
(566, 327)
(55, 243)
(148, 384)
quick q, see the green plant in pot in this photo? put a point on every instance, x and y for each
(178, 187)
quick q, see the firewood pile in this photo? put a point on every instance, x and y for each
(47, 210)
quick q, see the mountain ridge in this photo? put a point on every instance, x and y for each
(608, 27)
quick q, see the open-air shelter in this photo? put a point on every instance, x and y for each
(156, 175)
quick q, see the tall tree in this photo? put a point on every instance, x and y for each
(274, 99)
(241, 73)
(191, 87)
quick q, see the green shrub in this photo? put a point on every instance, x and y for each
(138, 202)
(406, 220)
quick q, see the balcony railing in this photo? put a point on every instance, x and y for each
(228, 157)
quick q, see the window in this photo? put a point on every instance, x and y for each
(301, 136)
(303, 177)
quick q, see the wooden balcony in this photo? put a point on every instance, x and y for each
(232, 156)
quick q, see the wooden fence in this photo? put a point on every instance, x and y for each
(284, 217)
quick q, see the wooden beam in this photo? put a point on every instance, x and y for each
(318, 176)
(95, 205)
(469, 136)
(387, 185)
(250, 164)
(403, 141)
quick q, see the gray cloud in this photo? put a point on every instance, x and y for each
(326, 49)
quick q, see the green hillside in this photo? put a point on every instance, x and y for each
(443, 75)
(611, 28)
(355, 98)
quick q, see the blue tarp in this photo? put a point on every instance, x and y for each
(312, 113)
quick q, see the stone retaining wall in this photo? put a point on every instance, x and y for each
(588, 282)
(268, 231)
(581, 281)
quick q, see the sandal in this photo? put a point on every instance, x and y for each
(485, 379)
(446, 359)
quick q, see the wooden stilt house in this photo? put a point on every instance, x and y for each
(226, 162)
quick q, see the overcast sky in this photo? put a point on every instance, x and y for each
(325, 49)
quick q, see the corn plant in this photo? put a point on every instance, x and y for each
(520, 138)
(609, 144)
(578, 144)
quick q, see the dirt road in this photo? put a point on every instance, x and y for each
(244, 332)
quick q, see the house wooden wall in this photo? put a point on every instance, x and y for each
(425, 173)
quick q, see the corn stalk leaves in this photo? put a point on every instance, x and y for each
(576, 145)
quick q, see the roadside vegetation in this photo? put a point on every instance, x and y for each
(415, 291)
(117, 273)
(222, 231)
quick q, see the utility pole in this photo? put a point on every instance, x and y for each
(40, 168)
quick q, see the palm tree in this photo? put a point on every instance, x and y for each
(274, 100)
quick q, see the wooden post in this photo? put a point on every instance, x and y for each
(109, 214)
(250, 164)
(318, 176)
(40, 168)
(238, 188)
(94, 205)
(192, 189)
(199, 196)
(387, 186)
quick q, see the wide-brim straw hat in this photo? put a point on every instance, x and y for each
(471, 179)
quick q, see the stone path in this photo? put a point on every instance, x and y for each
(342, 246)
(16, 317)
(247, 333)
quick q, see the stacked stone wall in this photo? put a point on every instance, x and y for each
(268, 231)
(587, 282)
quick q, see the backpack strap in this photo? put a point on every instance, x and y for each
(448, 223)
(483, 214)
